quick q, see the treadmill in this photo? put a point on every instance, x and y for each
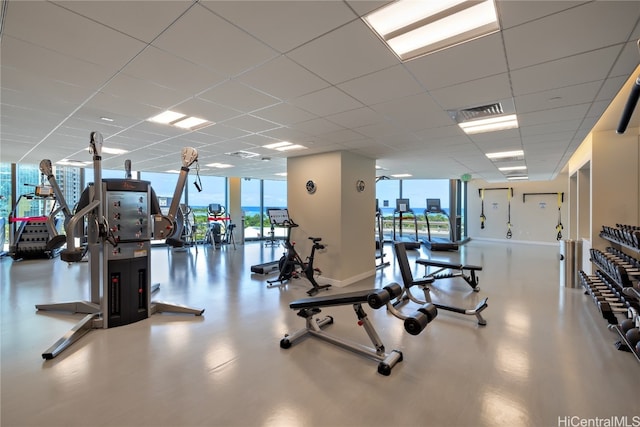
(403, 209)
(437, 243)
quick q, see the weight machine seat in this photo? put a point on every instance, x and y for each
(444, 264)
(376, 298)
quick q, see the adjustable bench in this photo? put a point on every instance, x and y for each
(470, 278)
(409, 282)
(309, 309)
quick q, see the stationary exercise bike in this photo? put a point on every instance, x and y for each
(291, 261)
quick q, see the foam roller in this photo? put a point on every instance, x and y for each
(419, 320)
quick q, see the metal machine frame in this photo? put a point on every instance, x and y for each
(116, 250)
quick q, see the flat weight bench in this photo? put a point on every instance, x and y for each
(409, 282)
(309, 308)
(470, 278)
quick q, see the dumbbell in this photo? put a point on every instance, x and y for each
(633, 337)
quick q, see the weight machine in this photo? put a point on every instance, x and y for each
(119, 221)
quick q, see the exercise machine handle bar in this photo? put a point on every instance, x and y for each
(47, 170)
(72, 253)
(189, 157)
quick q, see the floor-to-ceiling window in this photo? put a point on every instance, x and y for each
(251, 205)
(418, 191)
(214, 191)
(274, 195)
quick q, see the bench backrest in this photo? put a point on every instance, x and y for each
(403, 263)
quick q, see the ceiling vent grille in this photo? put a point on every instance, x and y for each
(475, 113)
(242, 154)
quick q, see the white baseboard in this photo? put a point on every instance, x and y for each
(348, 281)
(523, 242)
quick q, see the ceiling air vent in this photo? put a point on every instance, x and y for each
(475, 113)
(242, 154)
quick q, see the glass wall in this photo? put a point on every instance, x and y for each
(5, 203)
(214, 190)
(251, 205)
(274, 196)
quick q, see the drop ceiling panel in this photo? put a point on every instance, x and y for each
(287, 134)
(238, 96)
(355, 118)
(282, 78)
(560, 97)
(284, 25)
(344, 54)
(553, 115)
(583, 68)
(512, 13)
(170, 71)
(453, 66)
(249, 123)
(206, 110)
(131, 88)
(475, 93)
(143, 20)
(50, 26)
(284, 114)
(51, 66)
(537, 42)
(116, 105)
(202, 38)
(326, 101)
(375, 88)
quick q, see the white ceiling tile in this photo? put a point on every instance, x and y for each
(202, 38)
(348, 52)
(548, 39)
(517, 13)
(53, 27)
(250, 123)
(469, 61)
(134, 89)
(282, 78)
(326, 101)
(283, 25)
(355, 118)
(385, 85)
(143, 20)
(568, 71)
(474, 93)
(284, 114)
(559, 97)
(238, 96)
(206, 110)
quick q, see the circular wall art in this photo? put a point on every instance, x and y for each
(311, 187)
(360, 185)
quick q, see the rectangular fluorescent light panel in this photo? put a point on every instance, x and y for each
(517, 178)
(190, 123)
(108, 150)
(415, 28)
(491, 124)
(219, 165)
(167, 117)
(281, 174)
(291, 147)
(76, 163)
(512, 168)
(277, 145)
(402, 175)
(504, 154)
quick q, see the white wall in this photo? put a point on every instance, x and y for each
(337, 212)
(530, 220)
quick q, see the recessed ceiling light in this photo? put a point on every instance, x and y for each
(172, 171)
(281, 174)
(71, 162)
(108, 150)
(402, 175)
(167, 117)
(106, 119)
(504, 154)
(219, 165)
(292, 147)
(190, 123)
(512, 168)
(517, 178)
(276, 145)
(414, 28)
(491, 124)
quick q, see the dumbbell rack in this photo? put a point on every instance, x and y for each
(617, 273)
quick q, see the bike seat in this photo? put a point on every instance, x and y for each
(315, 239)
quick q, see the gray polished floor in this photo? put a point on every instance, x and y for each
(545, 358)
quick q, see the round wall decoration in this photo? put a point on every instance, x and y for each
(360, 185)
(311, 187)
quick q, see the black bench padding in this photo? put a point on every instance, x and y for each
(357, 297)
(443, 264)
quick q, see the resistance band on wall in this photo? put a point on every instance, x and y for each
(509, 194)
(559, 227)
(482, 217)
